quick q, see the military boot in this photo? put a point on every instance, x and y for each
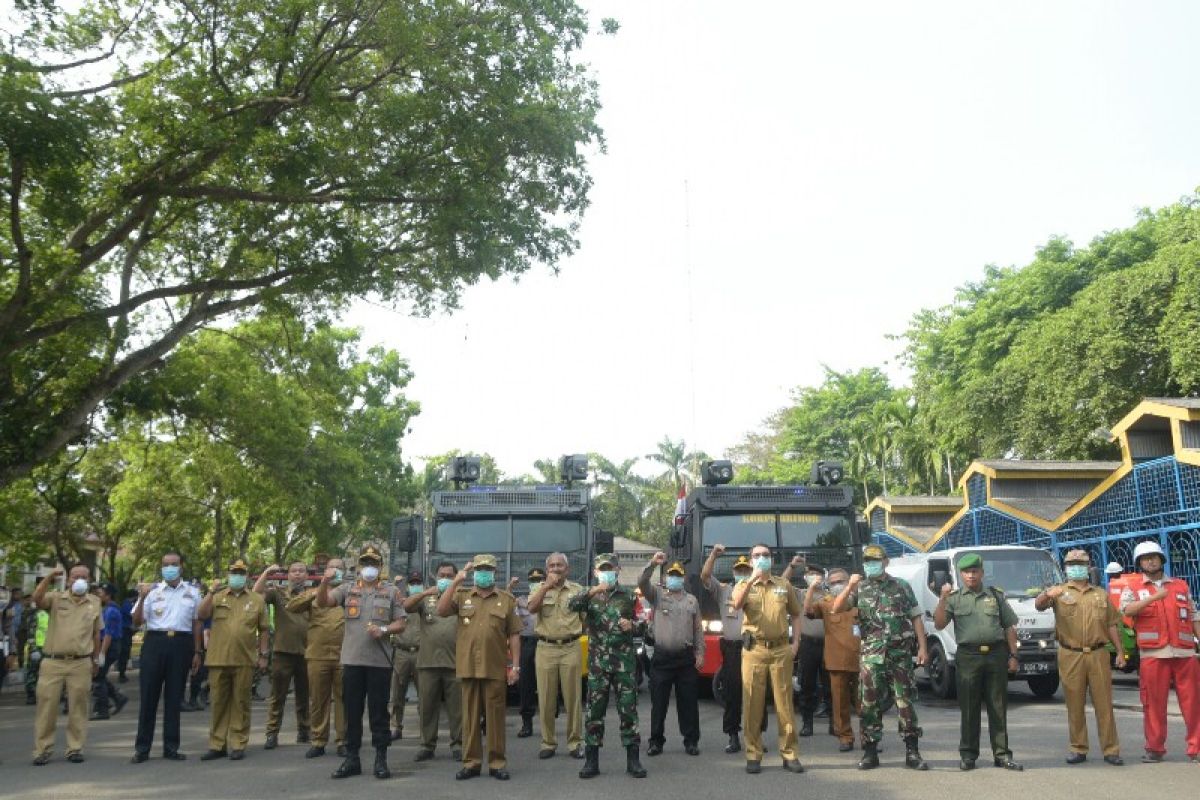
(870, 757)
(591, 762)
(633, 764)
(381, 767)
(806, 726)
(351, 766)
(912, 756)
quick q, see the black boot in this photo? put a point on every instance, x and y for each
(526, 728)
(734, 745)
(591, 762)
(633, 764)
(806, 726)
(870, 757)
(912, 756)
(381, 767)
(351, 766)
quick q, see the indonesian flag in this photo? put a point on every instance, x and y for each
(681, 505)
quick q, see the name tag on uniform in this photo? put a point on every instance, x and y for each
(857, 632)
(1143, 594)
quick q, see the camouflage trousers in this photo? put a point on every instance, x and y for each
(882, 680)
(624, 687)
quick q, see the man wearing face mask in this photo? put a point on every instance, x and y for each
(770, 607)
(731, 640)
(611, 620)
(1167, 626)
(814, 681)
(890, 621)
(323, 660)
(1084, 622)
(70, 658)
(437, 681)
(237, 643)
(840, 653)
(404, 664)
(373, 612)
(558, 661)
(678, 655)
(287, 661)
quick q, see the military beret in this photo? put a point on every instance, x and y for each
(970, 560)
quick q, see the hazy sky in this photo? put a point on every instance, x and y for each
(785, 184)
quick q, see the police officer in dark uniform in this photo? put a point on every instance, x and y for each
(986, 634)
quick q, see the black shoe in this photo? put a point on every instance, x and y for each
(793, 765)
(381, 768)
(466, 773)
(212, 755)
(237, 755)
(341, 751)
(912, 755)
(75, 758)
(966, 764)
(576, 753)
(845, 747)
(806, 728)
(591, 762)
(397, 734)
(655, 749)
(316, 751)
(526, 729)
(41, 760)
(1117, 761)
(423, 755)
(499, 774)
(138, 758)
(823, 711)
(691, 749)
(1008, 764)
(351, 766)
(633, 764)
(545, 753)
(119, 703)
(754, 767)
(174, 755)
(1152, 758)
(302, 737)
(1076, 758)
(870, 757)
(456, 754)
(272, 741)
(734, 745)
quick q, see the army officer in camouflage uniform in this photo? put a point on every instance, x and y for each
(612, 623)
(890, 622)
(986, 633)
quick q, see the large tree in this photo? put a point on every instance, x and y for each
(167, 162)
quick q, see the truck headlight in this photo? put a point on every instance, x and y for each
(714, 626)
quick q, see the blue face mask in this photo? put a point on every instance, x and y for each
(607, 577)
(674, 583)
(485, 578)
(443, 584)
(338, 575)
(1077, 572)
(237, 581)
(415, 589)
(762, 562)
(872, 569)
(741, 577)
(170, 572)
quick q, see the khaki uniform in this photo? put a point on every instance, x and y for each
(404, 671)
(287, 661)
(437, 681)
(842, 646)
(559, 664)
(66, 661)
(322, 657)
(237, 620)
(768, 665)
(485, 624)
(1081, 621)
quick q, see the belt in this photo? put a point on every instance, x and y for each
(67, 658)
(409, 648)
(1090, 648)
(772, 642)
(566, 640)
(168, 634)
(981, 649)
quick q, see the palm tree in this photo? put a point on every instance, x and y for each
(624, 488)
(680, 463)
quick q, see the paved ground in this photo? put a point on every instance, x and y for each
(1037, 729)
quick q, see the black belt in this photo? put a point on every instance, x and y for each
(1089, 649)
(409, 648)
(981, 649)
(566, 640)
(168, 634)
(67, 658)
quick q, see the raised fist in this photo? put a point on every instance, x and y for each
(57, 572)
(659, 558)
(144, 589)
(1054, 591)
(512, 582)
(719, 549)
(469, 566)
(855, 580)
(214, 584)
(272, 568)
(947, 590)
(798, 560)
(330, 574)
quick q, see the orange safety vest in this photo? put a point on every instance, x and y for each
(1167, 623)
(1118, 584)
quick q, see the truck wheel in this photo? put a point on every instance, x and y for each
(1043, 686)
(718, 688)
(941, 673)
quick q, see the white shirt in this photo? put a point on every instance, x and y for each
(170, 608)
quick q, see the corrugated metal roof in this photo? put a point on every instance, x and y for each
(1178, 402)
(1022, 465)
(920, 535)
(922, 501)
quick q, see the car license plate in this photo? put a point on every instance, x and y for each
(1035, 668)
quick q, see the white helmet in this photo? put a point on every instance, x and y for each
(1113, 568)
(1147, 548)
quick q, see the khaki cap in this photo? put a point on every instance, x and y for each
(1078, 556)
(676, 569)
(238, 565)
(370, 553)
(484, 561)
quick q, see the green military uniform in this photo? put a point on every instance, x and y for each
(610, 660)
(980, 621)
(886, 610)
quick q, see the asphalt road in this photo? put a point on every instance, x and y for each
(1037, 732)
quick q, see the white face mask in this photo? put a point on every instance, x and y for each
(79, 586)
(370, 573)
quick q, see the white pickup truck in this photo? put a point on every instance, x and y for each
(1022, 572)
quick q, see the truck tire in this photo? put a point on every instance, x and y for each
(1043, 686)
(941, 673)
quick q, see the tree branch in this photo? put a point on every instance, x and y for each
(24, 257)
(231, 193)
